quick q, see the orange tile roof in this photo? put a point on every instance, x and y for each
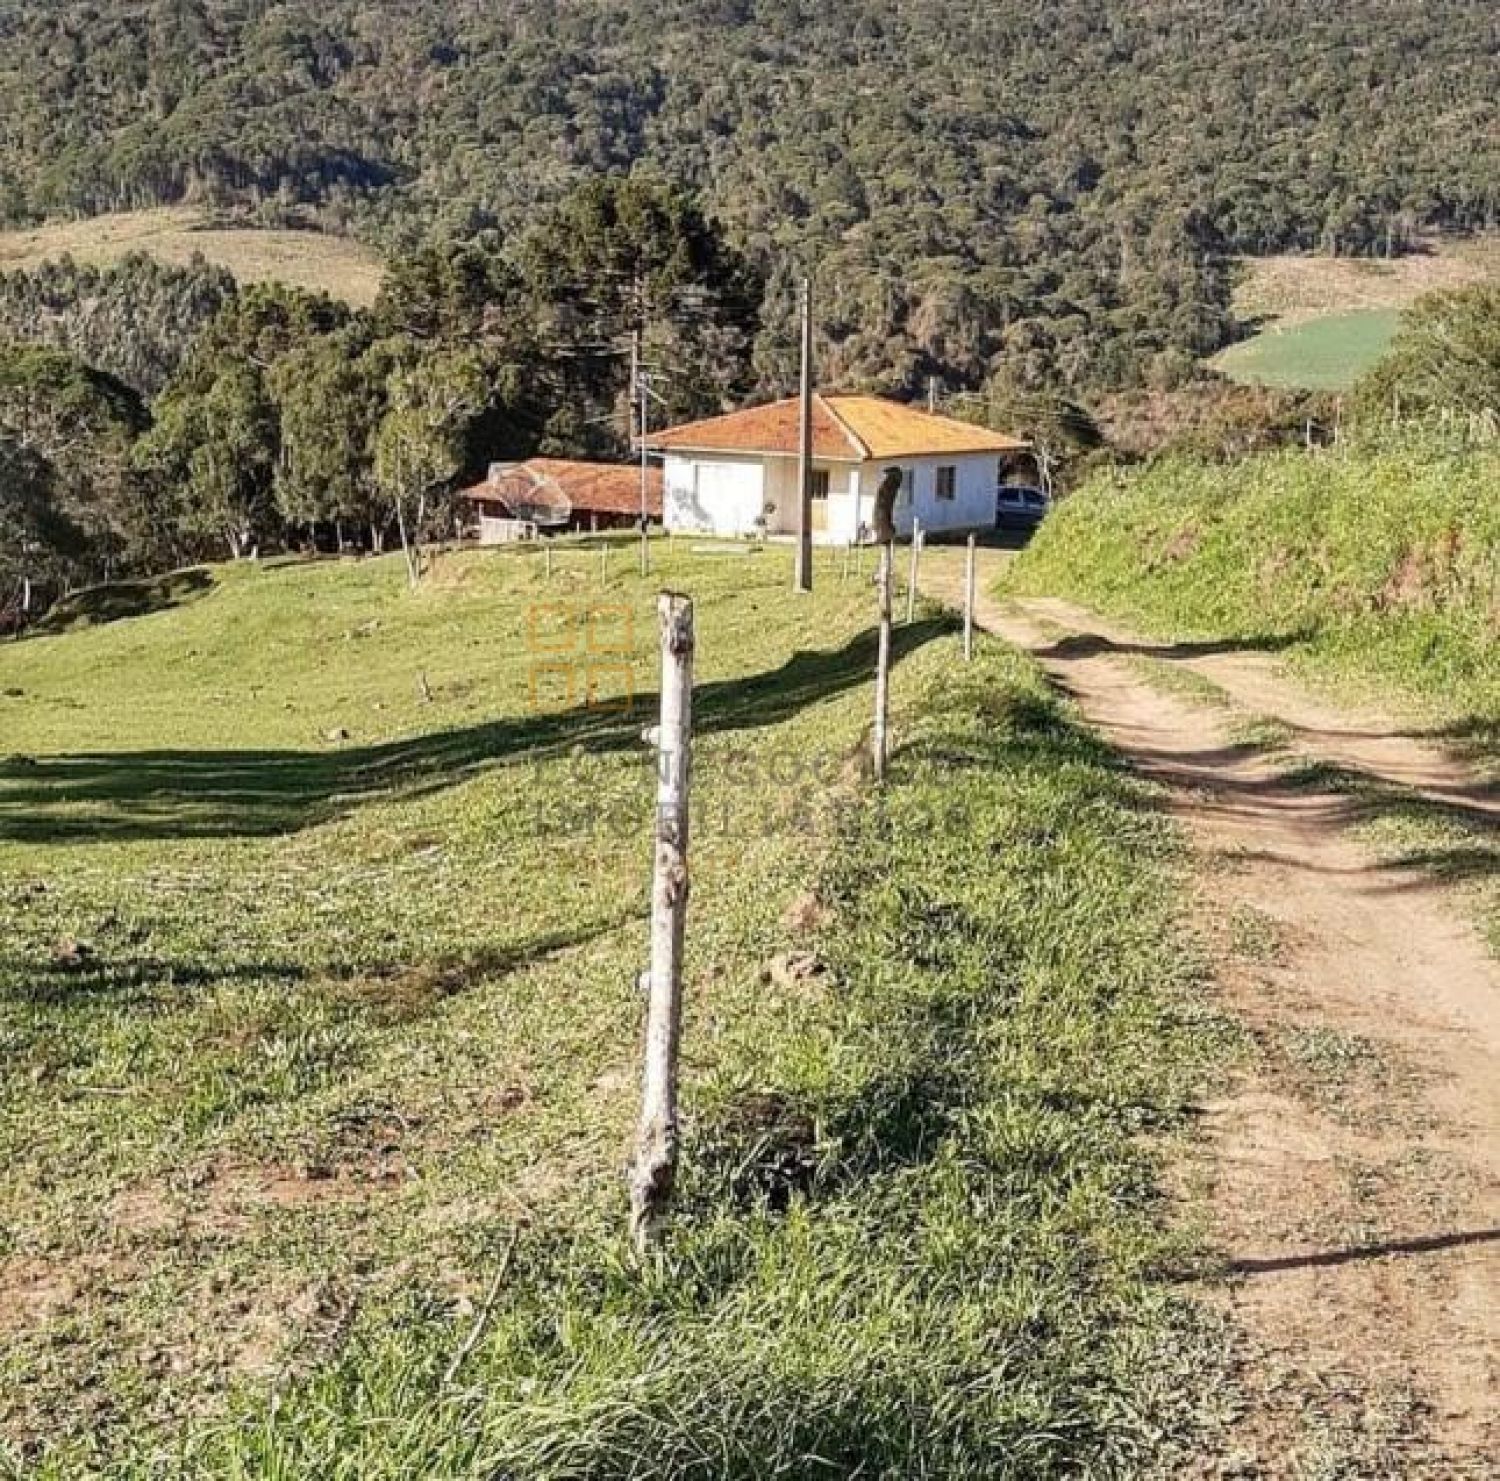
(773, 428)
(891, 430)
(845, 429)
(599, 488)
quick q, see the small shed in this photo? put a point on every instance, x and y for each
(547, 496)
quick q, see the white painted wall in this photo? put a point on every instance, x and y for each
(724, 494)
(721, 495)
(972, 507)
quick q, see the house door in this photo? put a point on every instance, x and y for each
(819, 500)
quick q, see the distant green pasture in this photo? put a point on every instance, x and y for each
(1328, 353)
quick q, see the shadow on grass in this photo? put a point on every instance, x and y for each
(393, 991)
(1092, 645)
(117, 600)
(211, 794)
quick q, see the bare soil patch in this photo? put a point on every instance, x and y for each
(1294, 288)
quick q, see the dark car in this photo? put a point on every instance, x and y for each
(1019, 507)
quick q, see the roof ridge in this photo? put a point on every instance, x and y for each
(855, 440)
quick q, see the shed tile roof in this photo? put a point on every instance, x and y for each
(845, 428)
(591, 488)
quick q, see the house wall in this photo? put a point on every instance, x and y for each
(838, 514)
(725, 494)
(976, 479)
(718, 495)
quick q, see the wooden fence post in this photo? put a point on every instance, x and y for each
(604, 563)
(969, 602)
(882, 662)
(655, 1168)
(547, 558)
(911, 580)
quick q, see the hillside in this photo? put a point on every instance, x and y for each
(1052, 190)
(1374, 567)
(318, 993)
(316, 261)
(1324, 321)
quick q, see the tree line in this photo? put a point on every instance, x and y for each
(290, 418)
(1045, 189)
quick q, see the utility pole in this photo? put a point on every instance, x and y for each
(804, 580)
(639, 391)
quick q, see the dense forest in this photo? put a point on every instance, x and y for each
(1041, 190)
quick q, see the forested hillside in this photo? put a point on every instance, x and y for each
(1045, 191)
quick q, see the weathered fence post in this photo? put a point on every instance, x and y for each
(882, 662)
(547, 557)
(603, 563)
(655, 1169)
(969, 602)
(911, 580)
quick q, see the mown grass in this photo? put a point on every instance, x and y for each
(1376, 568)
(1326, 353)
(307, 1039)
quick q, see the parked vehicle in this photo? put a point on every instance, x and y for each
(1019, 507)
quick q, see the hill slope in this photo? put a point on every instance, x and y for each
(1375, 566)
(1044, 187)
(318, 992)
(1327, 320)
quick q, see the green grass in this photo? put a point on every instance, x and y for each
(1326, 353)
(1372, 568)
(306, 1038)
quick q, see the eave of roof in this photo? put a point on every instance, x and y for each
(851, 429)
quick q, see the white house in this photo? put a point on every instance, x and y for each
(737, 474)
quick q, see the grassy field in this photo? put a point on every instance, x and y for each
(321, 916)
(174, 234)
(1326, 320)
(1326, 353)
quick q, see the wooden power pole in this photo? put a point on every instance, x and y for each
(655, 1169)
(804, 572)
(640, 388)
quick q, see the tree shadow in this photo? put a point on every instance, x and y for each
(116, 600)
(238, 793)
(1092, 645)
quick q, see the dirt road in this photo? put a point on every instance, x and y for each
(1352, 1171)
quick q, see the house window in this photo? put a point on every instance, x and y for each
(947, 481)
(820, 483)
(908, 490)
